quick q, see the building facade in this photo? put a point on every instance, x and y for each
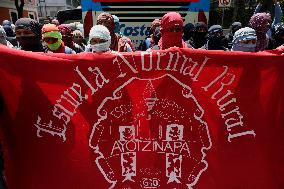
(49, 8)
(8, 10)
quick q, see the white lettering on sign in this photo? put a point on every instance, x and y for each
(150, 146)
(72, 98)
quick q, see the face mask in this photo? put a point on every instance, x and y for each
(215, 43)
(244, 47)
(27, 42)
(54, 46)
(200, 35)
(171, 39)
(101, 47)
(199, 39)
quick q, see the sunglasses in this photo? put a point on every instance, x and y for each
(50, 40)
(251, 41)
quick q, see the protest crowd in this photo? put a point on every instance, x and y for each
(261, 33)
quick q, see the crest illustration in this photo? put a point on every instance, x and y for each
(151, 136)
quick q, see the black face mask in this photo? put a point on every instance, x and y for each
(199, 39)
(215, 43)
(188, 35)
(29, 43)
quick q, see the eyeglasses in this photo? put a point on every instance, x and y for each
(50, 40)
(250, 41)
(175, 29)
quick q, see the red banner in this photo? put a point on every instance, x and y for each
(149, 1)
(170, 119)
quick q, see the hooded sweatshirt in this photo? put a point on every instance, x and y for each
(171, 39)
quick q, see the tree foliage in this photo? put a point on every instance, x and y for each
(241, 11)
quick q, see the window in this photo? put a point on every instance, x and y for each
(53, 13)
(68, 2)
(13, 15)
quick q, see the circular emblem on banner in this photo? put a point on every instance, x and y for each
(151, 137)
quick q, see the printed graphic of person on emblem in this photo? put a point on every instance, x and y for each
(150, 135)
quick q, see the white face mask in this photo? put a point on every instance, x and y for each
(101, 47)
(244, 47)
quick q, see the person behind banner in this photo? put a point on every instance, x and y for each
(172, 31)
(229, 37)
(28, 34)
(261, 22)
(215, 39)
(188, 31)
(244, 40)
(79, 39)
(277, 14)
(199, 35)
(155, 37)
(10, 33)
(67, 38)
(278, 35)
(118, 43)
(3, 38)
(53, 40)
(99, 39)
(116, 25)
(149, 41)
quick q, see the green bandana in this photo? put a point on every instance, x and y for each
(54, 46)
(54, 34)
